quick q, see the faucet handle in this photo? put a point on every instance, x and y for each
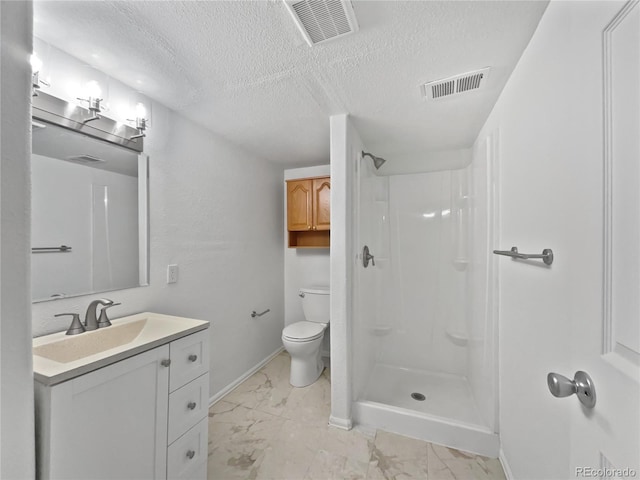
(103, 321)
(76, 326)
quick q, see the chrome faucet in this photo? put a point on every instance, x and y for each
(90, 319)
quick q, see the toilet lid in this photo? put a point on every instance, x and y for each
(304, 330)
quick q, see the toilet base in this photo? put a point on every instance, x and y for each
(306, 361)
(304, 372)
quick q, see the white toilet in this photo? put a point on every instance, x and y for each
(303, 339)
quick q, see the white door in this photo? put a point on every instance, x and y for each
(605, 272)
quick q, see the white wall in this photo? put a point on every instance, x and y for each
(216, 211)
(17, 456)
(303, 267)
(549, 119)
(345, 150)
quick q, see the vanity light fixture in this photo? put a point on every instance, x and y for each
(141, 122)
(93, 93)
(36, 66)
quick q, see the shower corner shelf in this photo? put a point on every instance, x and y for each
(460, 264)
(381, 330)
(457, 338)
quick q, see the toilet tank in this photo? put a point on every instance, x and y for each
(315, 304)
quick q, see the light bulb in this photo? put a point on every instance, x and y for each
(141, 110)
(36, 63)
(93, 89)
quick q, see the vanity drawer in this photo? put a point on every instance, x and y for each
(187, 406)
(189, 359)
(187, 456)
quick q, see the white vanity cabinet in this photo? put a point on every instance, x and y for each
(125, 421)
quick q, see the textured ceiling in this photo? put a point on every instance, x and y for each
(242, 70)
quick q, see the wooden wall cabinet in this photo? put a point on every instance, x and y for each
(309, 212)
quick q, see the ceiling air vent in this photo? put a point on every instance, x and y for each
(322, 20)
(457, 84)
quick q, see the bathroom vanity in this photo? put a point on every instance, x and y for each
(127, 401)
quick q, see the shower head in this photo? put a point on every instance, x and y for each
(377, 161)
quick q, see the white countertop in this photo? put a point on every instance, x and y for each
(59, 357)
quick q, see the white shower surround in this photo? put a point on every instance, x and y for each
(403, 314)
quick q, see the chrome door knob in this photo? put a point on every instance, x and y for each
(191, 405)
(191, 454)
(166, 362)
(560, 386)
(193, 358)
(582, 385)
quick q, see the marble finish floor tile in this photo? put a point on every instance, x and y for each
(266, 429)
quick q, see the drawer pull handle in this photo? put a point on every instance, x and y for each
(166, 362)
(191, 454)
(191, 405)
(193, 358)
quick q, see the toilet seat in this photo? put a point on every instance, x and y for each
(303, 331)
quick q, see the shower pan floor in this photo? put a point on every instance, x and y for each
(446, 395)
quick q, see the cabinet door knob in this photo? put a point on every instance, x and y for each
(191, 454)
(193, 358)
(308, 227)
(166, 362)
(191, 405)
(315, 228)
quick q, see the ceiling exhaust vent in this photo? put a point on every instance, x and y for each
(322, 20)
(457, 84)
(85, 158)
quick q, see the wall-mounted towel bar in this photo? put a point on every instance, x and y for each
(255, 314)
(61, 248)
(546, 255)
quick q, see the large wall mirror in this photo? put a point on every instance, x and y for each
(89, 212)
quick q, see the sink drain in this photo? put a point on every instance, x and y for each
(418, 396)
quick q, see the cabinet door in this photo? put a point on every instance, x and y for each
(299, 205)
(112, 423)
(321, 203)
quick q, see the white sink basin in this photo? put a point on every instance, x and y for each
(59, 357)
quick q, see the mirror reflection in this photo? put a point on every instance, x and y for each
(88, 211)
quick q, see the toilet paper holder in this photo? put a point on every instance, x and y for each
(255, 314)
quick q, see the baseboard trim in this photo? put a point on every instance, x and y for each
(505, 465)
(343, 423)
(229, 388)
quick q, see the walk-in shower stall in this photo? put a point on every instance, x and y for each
(423, 328)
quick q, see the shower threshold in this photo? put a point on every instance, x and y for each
(443, 431)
